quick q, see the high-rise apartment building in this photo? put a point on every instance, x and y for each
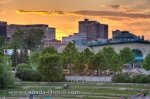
(3, 29)
(93, 30)
(103, 31)
(51, 34)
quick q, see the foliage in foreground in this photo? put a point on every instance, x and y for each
(50, 66)
(6, 79)
(26, 73)
(126, 78)
(146, 62)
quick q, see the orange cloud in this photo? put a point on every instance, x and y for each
(89, 13)
(40, 12)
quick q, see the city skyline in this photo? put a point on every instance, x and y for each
(64, 15)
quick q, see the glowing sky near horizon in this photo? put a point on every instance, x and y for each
(131, 15)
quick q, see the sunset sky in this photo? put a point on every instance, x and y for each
(131, 15)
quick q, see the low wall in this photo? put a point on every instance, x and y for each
(89, 78)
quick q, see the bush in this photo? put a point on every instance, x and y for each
(125, 78)
(23, 66)
(26, 73)
(121, 78)
(138, 79)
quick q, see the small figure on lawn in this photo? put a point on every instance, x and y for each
(66, 86)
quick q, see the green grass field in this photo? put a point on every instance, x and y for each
(76, 90)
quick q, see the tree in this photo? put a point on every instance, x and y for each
(33, 38)
(6, 79)
(50, 50)
(17, 40)
(111, 58)
(126, 55)
(29, 39)
(109, 54)
(18, 58)
(116, 63)
(79, 63)
(98, 62)
(34, 58)
(69, 55)
(50, 67)
(146, 62)
(15, 58)
(87, 53)
(82, 61)
(23, 57)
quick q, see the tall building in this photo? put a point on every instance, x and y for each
(49, 33)
(3, 29)
(93, 30)
(103, 31)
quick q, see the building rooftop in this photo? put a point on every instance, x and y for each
(119, 42)
(29, 25)
(125, 35)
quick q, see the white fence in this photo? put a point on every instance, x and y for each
(89, 78)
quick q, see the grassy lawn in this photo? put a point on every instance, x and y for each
(87, 91)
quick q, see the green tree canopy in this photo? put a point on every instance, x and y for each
(87, 53)
(29, 39)
(34, 58)
(146, 62)
(126, 55)
(50, 50)
(111, 58)
(50, 67)
(69, 54)
(98, 62)
(6, 79)
(33, 38)
(17, 40)
(82, 60)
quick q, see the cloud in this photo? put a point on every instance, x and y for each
(117, 7)
(116, 18)
(114, 6)
(127, 9)
(111, 13)
(140, 4)
(40, 12)
(87, 13)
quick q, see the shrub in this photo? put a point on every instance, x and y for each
(6, 78)
(121, 78)
(125, 78)
(23, 66)
(26, 73)
(138, 79)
